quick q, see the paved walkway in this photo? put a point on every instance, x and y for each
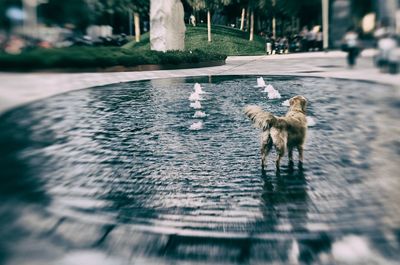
(20, 88)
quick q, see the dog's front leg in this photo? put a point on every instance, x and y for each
(290, 155)
(278, 162)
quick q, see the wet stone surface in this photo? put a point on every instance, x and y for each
(114, 175)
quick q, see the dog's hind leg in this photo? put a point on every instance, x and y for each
(281, 152)
(266, 146)
(263, 155)
(301, 151)
(279, 138)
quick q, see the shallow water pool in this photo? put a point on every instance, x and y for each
(125, 170)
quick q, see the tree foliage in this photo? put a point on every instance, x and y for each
(4, 5)
(208, 4)
(282, 8)
(74, 12)
(114, 6)
(81, 13)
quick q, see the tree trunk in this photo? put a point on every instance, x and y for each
(111, 20)
(292, 25)
(136, 19)
(197, 16)
(242, 19)
(248, 19)
(274, 27)
(252, 26)
(325, 24)
(209, 25)
(130, 24)
(298, 25)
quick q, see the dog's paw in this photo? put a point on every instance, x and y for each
(300, 165)
(263, 172)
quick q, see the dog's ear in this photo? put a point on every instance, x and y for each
(291, 102)
(303, 103)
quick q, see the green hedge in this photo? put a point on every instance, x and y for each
(100, 57)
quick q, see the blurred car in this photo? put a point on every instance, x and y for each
(118, 40)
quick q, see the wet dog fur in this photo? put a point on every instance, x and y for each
(285, 133)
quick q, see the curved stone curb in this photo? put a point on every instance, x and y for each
(20, 88)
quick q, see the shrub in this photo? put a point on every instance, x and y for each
(96, 57)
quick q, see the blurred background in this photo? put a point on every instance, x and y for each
(227, 27)
(25, 24)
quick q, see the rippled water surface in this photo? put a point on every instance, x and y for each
(119, 169)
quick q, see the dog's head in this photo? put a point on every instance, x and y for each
(298, 103)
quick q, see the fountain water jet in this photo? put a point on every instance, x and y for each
(260, 82)
(198, 89)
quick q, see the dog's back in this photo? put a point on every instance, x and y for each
(297, 128)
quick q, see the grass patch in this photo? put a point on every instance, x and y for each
(230, 41)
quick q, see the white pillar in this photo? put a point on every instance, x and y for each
(167, 25)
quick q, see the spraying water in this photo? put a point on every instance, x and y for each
(269, 89)
(198, 89)
(260, 82)
(286, 103)
(195, 105)
(196, 126)
(272, 92)
(194, 97)
(274, 95)
(310, 121)
(199, 114)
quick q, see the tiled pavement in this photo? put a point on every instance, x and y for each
(21, 88)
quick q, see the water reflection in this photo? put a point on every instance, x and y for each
(285, 200)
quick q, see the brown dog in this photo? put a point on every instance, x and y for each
(283, 132)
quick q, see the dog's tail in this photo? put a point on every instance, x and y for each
(261, 119)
